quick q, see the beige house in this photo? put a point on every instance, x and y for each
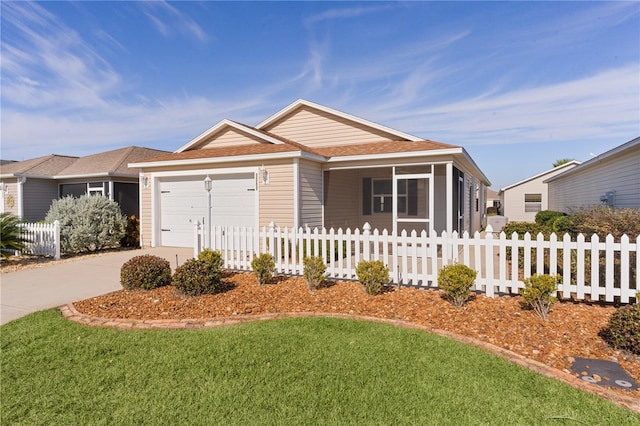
(611, 178)
(28, 187)
(521, 201)
(309, 165)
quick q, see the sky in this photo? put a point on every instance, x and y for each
(518, 84)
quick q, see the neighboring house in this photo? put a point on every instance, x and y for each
(493, 200)
(28, 187)
(521, 201)
(309, 165)
(611, 178)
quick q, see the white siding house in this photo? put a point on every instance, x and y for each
(611, 178)
(521, 201)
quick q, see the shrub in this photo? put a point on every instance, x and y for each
(212, 257)
(537, 293)
(314, 270)
(88, 223)
(603, 220)
(145, 273)
(196, 277)
(623, 329)
(373, 275)
(564, 225)
(456, 281)
(522, 228)
(11, 238)
(131, 233)
(263, 267)
(547, 217)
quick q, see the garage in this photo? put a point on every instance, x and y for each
(183, 201)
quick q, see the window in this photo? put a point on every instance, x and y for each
(377, 196)
(382, 196)
(532, 203)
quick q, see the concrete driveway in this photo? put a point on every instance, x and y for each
(31, 290)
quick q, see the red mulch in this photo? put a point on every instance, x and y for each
(571, 330)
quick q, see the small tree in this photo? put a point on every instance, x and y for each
(562, 161)
(11, 238)
(373, 275)
(456, 281)
(263, 267)
(314, 270)
(88, 223)
(537, 293)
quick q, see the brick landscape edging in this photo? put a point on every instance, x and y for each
(69, 312)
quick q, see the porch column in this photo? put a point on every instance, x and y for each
(449, 186)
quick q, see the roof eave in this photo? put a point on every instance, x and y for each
(221, 124)
(227, 159)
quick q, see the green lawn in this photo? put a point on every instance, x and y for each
(297, 371)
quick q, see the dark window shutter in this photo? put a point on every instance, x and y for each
(366, 196)
(412, 197)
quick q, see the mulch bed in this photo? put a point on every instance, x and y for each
(571, 330)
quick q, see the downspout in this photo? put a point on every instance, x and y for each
(21, 180)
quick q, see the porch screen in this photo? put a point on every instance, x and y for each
(377, 196)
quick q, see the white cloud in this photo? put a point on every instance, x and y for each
(168, 20)
(343, 13)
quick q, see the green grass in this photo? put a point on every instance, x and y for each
(289, 372)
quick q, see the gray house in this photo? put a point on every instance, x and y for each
(28, 187)
(611, 178)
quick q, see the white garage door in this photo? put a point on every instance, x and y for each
(183, 201)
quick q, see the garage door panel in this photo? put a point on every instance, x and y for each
(183, 201)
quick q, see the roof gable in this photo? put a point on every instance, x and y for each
(316, 125)
(554, 171)
(228, 133)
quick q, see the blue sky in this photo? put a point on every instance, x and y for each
(518, 84)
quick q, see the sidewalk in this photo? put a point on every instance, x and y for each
(31, 290)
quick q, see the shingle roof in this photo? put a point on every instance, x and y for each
(231, 151)
(49, 165)
(382, 148)
(111, 162)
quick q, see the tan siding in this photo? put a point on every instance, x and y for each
(146, 217)
(276, 197)
(229, 137)
(310, 194)
(316, 128)
(585, 187)
(38, 196)
(11, 194)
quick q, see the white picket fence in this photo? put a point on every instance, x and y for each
(43, 239)
(587, 269)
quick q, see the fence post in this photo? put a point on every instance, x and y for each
(272, 240)
(366, 247)
(56, 239)
(196, 239)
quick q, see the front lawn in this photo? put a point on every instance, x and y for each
(297, 371)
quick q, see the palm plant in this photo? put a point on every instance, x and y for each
(11, 238)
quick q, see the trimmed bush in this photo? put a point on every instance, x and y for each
(214, 258)
(547, 217)
(373, 275)
(623, 329)
(604, 220)
(456, 281)
(196, 277)
(11, 239)
(145, 273)
(564, 225)
(263, 268)
(537, 293)
(522, 228)
(131, 233)
(88, 223)
(314, 270)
